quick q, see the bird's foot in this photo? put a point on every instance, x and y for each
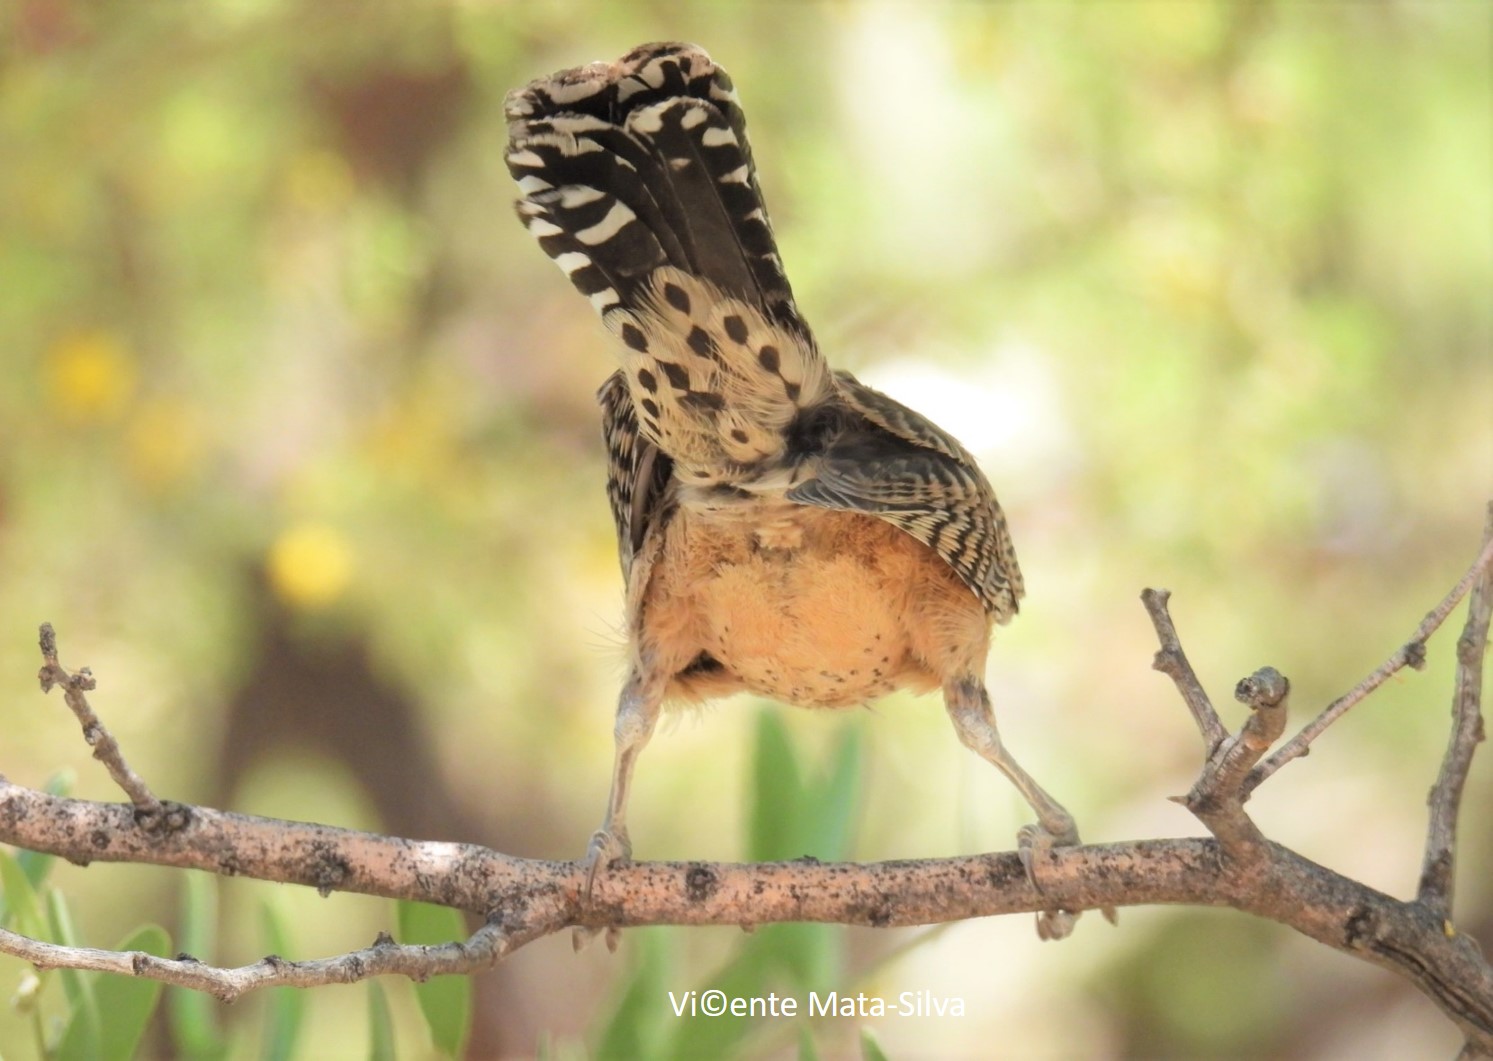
(1033, 841)
(607, 848)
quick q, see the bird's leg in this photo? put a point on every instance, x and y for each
(637, 714)
(969, 709)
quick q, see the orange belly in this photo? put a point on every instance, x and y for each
(840, 609)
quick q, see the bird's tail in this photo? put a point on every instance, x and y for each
(637, 179)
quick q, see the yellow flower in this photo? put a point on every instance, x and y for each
(310, 565)
(89, 376)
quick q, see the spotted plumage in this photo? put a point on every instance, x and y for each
(637, 179)
(782, 528)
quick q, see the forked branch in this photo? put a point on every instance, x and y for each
(522, 899)
(1411, 654)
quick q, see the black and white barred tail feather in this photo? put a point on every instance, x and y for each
(632, 165)
(637, 179)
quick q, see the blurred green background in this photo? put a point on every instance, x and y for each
(298, 451)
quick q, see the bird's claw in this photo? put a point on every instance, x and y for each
(581, 937)
(607, 849)
(1031, 841)
(1055, 924)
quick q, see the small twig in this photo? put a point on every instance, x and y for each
(149, 811)
(1172, 661)
(1264, 692)
(1411, 654)
(1217, 798)
(486, 947)
(1438, 871)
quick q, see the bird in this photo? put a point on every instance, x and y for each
(783, 529)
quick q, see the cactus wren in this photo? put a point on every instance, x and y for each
(783, 528)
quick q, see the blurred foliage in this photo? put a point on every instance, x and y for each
(285, 1006)
(195, 1027)
(445, 1001)
(1204, 284)
(380, 1025)
(792, 817)
(91, 1015)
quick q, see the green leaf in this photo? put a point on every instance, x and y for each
(445, 1001)
(77, 985)
(834, 801)
(794, 815)
(807, 953)
(287, 1005)
(790, 816)
(125, 1004)
(19, 904)
(815, 953)
(807, 1050)
(870, 1048)
(637, 1025)
(35, 866)
(749, 974)
(61, 783)
(81, 1021)
(380, 1025)
(777, 794)
(194, 1018)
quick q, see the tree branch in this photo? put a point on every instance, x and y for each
(525, 899)
(1411, 654)
(482, 951)
(1438, 872)
(1172, 661)
(1217, 799)
(149, 810)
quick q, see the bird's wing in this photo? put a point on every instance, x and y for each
(909, 472)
